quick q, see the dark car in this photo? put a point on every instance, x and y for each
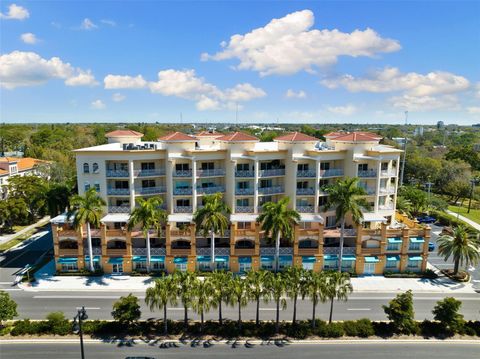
(431, 246)
(426, 219)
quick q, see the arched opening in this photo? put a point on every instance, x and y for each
(181, 244)
(86, 168)
(245, 244)
(68, 244)
(308, 243)
(116, 244)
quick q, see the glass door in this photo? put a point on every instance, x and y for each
(369, 268)
(117, 268)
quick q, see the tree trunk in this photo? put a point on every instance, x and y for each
(90, 250)
(165, 324)
(313, 313)
(342, 230)
(201, 321)
(220, 319)
(212, 250)
(148, 251)
(331, 311)
(239, 316)
(294, 320)
(456, 265)
(185, 316)
(257, 316)
(277, 251)
(277, 317)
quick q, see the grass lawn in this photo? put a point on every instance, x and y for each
(474, 214)
(13, 242)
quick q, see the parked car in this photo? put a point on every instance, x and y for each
(431, 246)
(426, 219)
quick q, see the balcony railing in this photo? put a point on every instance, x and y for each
(244, 174)
(153, 251)
(218, 251)
(116, 251)
(183, 209)
(307, 173)
(271, 250)
(306, 209)
(151, 190)
(96, 251)
(271, 190)
(244, 232)
(67, 233)
(115, 233)
(369, 190)
(182, 173)
(305, 191)
(118, 209)
(336, 250)
(180, 233)
(335, 172)
(182, 191)
(210, 190)
(386, 207)
(118, 191)
(117, 173)
(180, 251)
(388, 173)
(368, 173)
(244, 209)
(387, 190)
(211, 173)
(244, 191)
(68, 251)
(150, 173)
(271, 173)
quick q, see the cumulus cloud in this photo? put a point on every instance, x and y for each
(295, 94)
(425, 103)
(97, 105)
(29, 38)
(124, 82)
(15, 12)
(346, 110)
(20, 68)
(108, 22)
(118, 97)
(288, 45)
(474, 110)
(88, 24)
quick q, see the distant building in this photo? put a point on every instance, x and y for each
(440, 125)
(418, 131)
(14, 166)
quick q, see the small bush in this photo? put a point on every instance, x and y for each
(57, 324)
(359, 328)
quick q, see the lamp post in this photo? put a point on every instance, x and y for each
(77, 326)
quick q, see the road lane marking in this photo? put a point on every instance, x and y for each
(6, 282)
(80, 297)
(359, 309)
(175, 309)
(10, 289)
(89, 308)
(268, 309)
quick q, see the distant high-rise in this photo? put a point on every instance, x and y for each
(440, 125)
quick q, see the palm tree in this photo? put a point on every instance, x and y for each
(163, 292)
(347, 198)
(184, 282)
(212, 219)
(150, 215)
(338, 287)
(220, 282)
(239, 291)
(294, 276)
(87, 210)
(404, 206)
(202, 298)
(275, 287)
(462, 246)
(278, 220)
(256, 280)
(314, 287)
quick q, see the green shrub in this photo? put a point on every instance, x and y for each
(57, 324)
(358, 328)
(334, 330)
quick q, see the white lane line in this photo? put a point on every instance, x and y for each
(10, 289)
(175, 309)
(89, 308)
(6, 282)
(268, 309)
(80, 297)
(359, 309)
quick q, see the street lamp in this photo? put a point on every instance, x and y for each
(77, 326)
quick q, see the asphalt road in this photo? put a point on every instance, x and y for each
(346, 350)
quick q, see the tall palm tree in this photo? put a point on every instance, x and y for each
(278, 221)
(160, 295)
(347, 197)
(211, 219)
(314, 287)
(462, 246)
(294, 276)
(202, 298)
(256, 280)
(338, 287)
(150, 215)
(239, 290)
(184, 282)
(220, 282)
(87, 210)
(275, 287)
(403, 205)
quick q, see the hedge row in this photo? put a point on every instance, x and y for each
(450, 221)
(354, 328)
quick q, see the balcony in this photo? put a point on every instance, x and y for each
(244, 191)
(367, 174)
(244, 209)
(305, 191)
(308, 251)
(96, 251)
(150, 173)
(180, 232)
(388, 173)
(244, 232)
(118, 209)
(151, 190)
(308, 232)
(306, 209)
(182, 173)
(118, 191)
(272, 173)
(271, 251)
(182, 191)
(183, 209)
(244, 252)
(368, 190)
(115, 233)
(244, 174)
(117, 173)
(68, 233)
(218, 251)
(271, 190)
(374, 250)
(180, 252)
(386, 207)
(153, 251)
(336, 250)
(334, 172)
(211, 173)
(388, 190)
(210, 190)
(306, 174)
(116, 251)
(68, 252)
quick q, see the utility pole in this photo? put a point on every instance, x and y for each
(404, 150)
(236, 113)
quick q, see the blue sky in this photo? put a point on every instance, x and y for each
(318, 62)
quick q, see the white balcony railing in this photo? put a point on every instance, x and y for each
(182, 191)
(307, 173)
(182, 173)
(334, 172)
(388, 190)
(118, 209)
(386, 207)
(388, 173)
(368, 173)
(244, 174)
(244, 191)
(244, 209)
(210, 190)
(306, 209)
(271, 173)
(271, 190)
(305, 191)
(210, 173)
(150, 173)
(151, 190)
(368, 190)
(117, 173)
(118, 191)
(183, 209)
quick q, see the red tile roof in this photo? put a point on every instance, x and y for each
(124, 133)
(177, 136)
(354, 136)
(209, 134)
(23, 164)
(296, 137)
(238, 137)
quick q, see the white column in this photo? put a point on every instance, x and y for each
(317, 185)
(169, 184)
(377, 184)
(194, 184)
(255, 186)
(131, 184)
(231, 181)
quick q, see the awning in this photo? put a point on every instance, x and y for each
(285, 258)
(65, 260)
(244, 259)
(180, 217)
(139, 258)
(309, 259)
(393, 258)
(116, 217)
(115, 260)
(61, 219)
(394, 240)
(330, 257)
(349, 257)
(415, 258)
(371, 260)
(159, 259)
(243, 217)
(95, 258)
(267, 258)
(221, 259)
(180, 260)
(311, 217)
(204, 258)
(373, 217)
(417, 240)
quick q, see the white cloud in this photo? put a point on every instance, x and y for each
(425, 103)
(15, 12)
(97, 105)
(124, 82)
(118, 97)
(292, 94)
(474, 110)
(87, 24)
(108, 22)
(29, 38)
(346, 110)
(390, 79)
(288, 45)
(20, 68)
(244, 92)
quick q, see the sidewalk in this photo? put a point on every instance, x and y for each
(7, 237)
(465, 219)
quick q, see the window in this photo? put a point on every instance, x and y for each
(282, 264)
(242, 202)
(97, 186)
(222, 265)
(303, 203)
(157, 266)
(384, 166)
(362, 167)
(69, 266)
(182, 185)
(245, 267)
(324, 166)
(322, 201)
(86, 168)
(243, 225)
(182, 166)
(243, 185)
(393, 246)
(267, 264)
(182, 267)
(323, 183)
(87, 186)
(307, 266)
(331, 222)
(414, 246)
(95, 168)
(302, 185)
(145, 166)
(302, 167)
(330, 264)
(183, 202)
(208, 165)
(265, 183)
(140, 266)
(242, 167)
(203, 266)
(120, 166)
(413, 264)
(305, 225)
(148, 183)
(391, 265)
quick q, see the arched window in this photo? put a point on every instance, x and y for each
(95, 168)
(86, 168)
(87, 186)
